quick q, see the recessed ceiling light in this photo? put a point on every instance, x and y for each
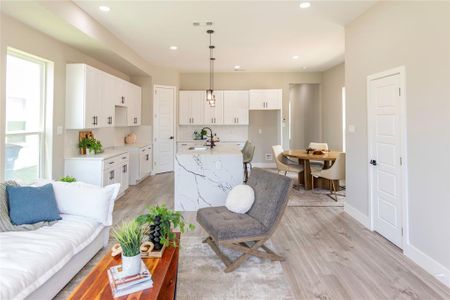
(173, 48)
(304, 68)
(305, 4)
(237, 67)
(295, 57)
(104, 8)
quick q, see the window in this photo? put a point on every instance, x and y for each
(24, 117)
(343, 119)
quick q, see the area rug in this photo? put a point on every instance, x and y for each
(318, 198)
(201, 275)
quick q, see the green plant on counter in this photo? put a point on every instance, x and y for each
(129, 235)
(161, 221)
(91, 144)
(69, 179)
(203, 133)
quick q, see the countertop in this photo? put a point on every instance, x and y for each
(221, 141)
(218, 150)
(108, 153)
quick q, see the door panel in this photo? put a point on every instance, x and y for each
(164, 129)
(385, 148)
(198, 101)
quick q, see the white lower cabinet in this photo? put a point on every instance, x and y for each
(140, 163)
(100, 170)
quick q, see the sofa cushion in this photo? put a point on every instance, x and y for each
(29, 205)
(28, 259)
(5, 221)
(223, 224)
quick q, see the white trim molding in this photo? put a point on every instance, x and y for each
(265, 165)
(430, 265)
(357, 215)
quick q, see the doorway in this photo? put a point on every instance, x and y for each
(387, 153)
(163, 128)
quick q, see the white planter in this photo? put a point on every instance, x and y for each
(131, 265)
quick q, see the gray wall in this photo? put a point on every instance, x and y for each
(305, 115)
(416, 35)
(246, 81)
(332, 82)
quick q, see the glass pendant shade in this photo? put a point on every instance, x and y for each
(209, 95)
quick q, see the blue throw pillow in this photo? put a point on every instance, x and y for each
(29, 205)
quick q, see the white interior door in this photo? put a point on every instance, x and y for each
(385, 142)
(163, 128)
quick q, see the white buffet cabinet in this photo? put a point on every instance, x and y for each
(95, 99)
(102, 169)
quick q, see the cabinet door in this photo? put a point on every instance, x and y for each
(133, 105)
(197, 107)
(93, 116)
(235, 108)
(109, 176)
(258, 99)
(184, 108)
(275, 98)
(124, 177)
(108, 100)
(145, 162)
(214, 115)
(120, 91)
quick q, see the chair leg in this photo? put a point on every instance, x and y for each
(246, 250)
(245, 172)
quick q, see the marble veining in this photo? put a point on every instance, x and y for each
(204, 178)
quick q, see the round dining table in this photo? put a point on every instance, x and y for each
(304, 158)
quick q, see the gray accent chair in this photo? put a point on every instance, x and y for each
(248, 232)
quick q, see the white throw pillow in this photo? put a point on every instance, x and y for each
(86, 200)
(240, 199)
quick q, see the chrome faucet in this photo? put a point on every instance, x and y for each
(212, 144)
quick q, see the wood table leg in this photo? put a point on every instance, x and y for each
(307, 174)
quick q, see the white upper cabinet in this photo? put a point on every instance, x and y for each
(191, 107)
(133, 103)
(235, 108)
(214, 115)
(267, 99)
(93, 98)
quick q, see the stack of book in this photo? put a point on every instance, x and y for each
(122, 284)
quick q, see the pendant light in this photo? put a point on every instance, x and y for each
(210, 97)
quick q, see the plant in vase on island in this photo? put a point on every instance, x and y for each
(159, 222)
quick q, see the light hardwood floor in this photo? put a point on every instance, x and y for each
(328, 254)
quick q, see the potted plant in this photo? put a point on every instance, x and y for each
(68, 179)
(90, 144)
(129, 235)
(160, 222)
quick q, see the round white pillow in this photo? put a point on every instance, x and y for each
(240, 199)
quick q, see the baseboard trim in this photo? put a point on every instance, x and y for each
(427, 263)
(357, 215)
(264, 165)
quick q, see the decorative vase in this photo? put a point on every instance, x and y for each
(83, 151)
(131, 265)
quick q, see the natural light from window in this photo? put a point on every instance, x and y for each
(343, 119)
(25, 100)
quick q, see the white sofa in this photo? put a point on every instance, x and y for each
(38, 264)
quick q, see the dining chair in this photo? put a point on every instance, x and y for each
(318, 146)
(315, 164)
(282, 162)
(335, 173)
(247, 152)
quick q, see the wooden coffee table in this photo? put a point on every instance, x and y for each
(164, 276)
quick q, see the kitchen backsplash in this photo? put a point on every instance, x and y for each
(109, 137)
(225, 133)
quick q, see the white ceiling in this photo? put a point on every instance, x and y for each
(257, 35)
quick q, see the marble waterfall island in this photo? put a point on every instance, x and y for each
(204, 177)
